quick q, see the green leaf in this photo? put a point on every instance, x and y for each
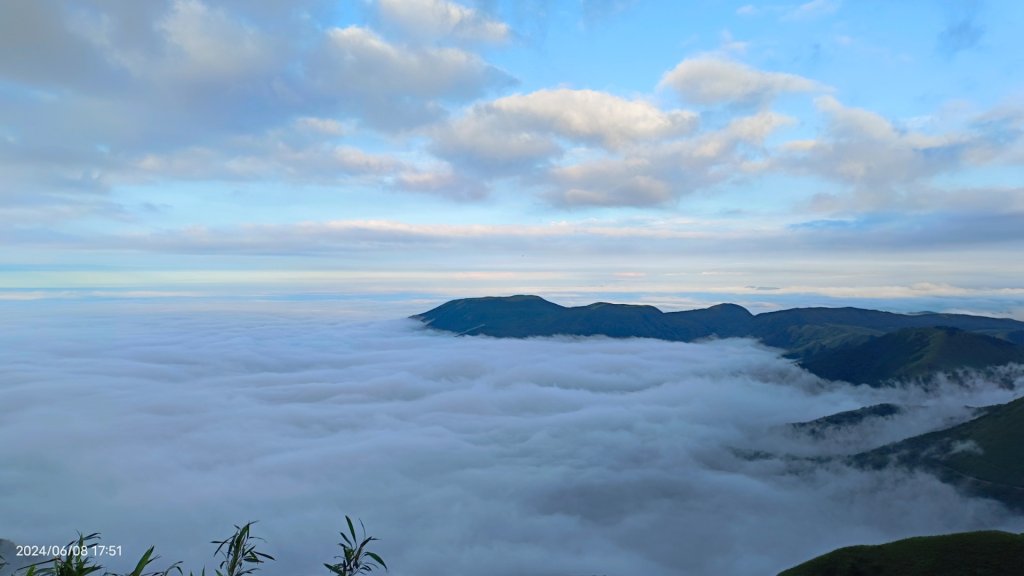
(377, 559)
(143, 562)
(351, 528)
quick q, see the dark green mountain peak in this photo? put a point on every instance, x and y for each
(730, 308)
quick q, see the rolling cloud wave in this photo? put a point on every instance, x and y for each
(466, 456)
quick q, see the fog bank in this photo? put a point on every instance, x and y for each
(551, 456)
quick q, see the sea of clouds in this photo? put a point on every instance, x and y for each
(466, 456)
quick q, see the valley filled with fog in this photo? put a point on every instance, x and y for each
(464, 455)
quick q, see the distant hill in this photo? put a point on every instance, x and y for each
(524, 316)
(822, 427)
(984, 456)
(854, 344)
(989, 553)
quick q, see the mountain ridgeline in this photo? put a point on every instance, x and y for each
(853, 344)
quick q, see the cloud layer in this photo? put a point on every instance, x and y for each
(551, 456)
(185, 90)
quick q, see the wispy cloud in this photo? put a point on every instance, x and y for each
(812, 9)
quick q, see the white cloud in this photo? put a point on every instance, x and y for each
(443, 182)
(590, 115)
(745, 130)
(711, 80)
(365, 62)
(516, 134)
(661, 173)
(111, 93)
(392, 86)
(105, 95)
(610, 183)
(882, 164)
(488, 145)
(209, 45)
(433, 20)
(263, 159)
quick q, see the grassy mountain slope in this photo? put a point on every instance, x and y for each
(912, 352)
(989, 553)
(807, 331)
(985, 456)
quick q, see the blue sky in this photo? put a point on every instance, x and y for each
(676, 153)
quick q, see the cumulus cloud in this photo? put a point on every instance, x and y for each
(863, 147)
(103, 95)
(490, 146)
(106, 96)
(711, 80)
(114, 82)
(888, 166)
(209, 70)
(208, 45)
(623, 152)
(589, 115)
(457, 452)
(434, 20)
(517, 132)
(396, 86)
(657, 175)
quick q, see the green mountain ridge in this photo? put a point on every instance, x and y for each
(984, 553)
(910, 353)
(835, 343)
